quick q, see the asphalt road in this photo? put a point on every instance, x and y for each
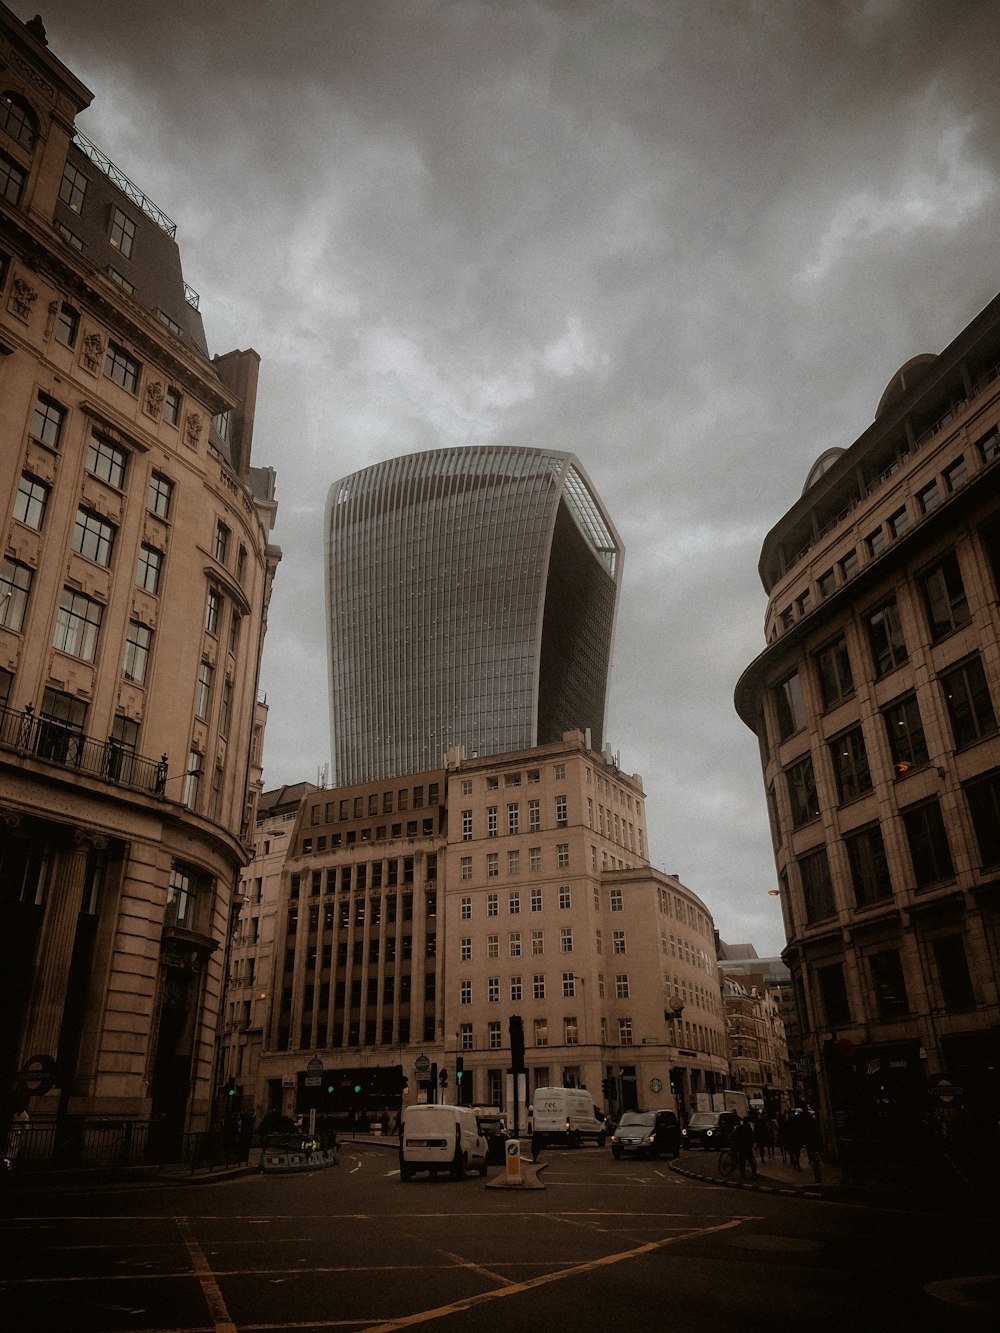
(605, 1246)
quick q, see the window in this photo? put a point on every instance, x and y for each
(621, 985)
(953, 972)
(466, 909)
(221, 548)
(516, 990)
(181, 898)
(929, 497)
(47, 421)
(121, 280)
(465, 864)
(17, 119)
(30, 501)
(983, 796)
(513, 818)
(801, 783)
(67, 325)
(173, 326)
(956, 474)
(225, 719)
(492, 946)
(850, 764)
(466, 825)
(538, 986)
(833, 992)
(570, 1031)
(989, 445)
(559, 772)
(121, 233)
(833, 666)
(568, 985)
(848, 565)
(890, 988)
(465, 992)
(235, 625)
(566, 939)
(514, 943)
(203, 691)
(562, 817)
(493, 990)
(492, 864)
(93, 537)
(944, 597)
(172, 404)
(12, 178)
(804, 602)
(789, 706)
(121, 368)
(513, 862)
(565, 897)
(541, 1032)
(107, 461)
(213, 610)
(899, 522)
(817, 890)
(869, 869)
(827, 583)
(536, 900)
(513, 902)
(905, 733)
(15, 585)
(161, 491)
(969, 706)
(148, 568)
(876, 541)
(885, 637)
(929, 850)
(78, 624)
(493, 904)
(615, 900)
(221, 423)
(537, 942)
(562, 855)
(138, 640)
(121, 748)
(491, 821)
(618, 941)
(494, 1037)
(534, 816)
(624, 1032)
(465, 949)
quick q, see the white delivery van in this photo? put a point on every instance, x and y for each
(565, 1115)
(440, 1138)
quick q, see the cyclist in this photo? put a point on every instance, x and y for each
(741, 1147)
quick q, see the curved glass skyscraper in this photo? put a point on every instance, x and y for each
(471, 597)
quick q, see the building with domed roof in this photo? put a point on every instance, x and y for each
(875, 704)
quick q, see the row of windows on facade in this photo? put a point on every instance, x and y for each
(927, 499)
(946, 608)
(884, 990)
(969, 707)
(609, 824)
(927, 842)
(401, 799)
(533, 775)
(362, 875)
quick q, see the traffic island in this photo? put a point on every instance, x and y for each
(518, 1174)
(279, 1161)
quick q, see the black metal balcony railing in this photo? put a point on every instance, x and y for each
(59, 744)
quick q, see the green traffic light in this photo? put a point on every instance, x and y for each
(357, 1087)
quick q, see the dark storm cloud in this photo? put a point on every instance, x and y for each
(689, 241)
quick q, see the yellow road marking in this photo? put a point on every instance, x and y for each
(209, 1286)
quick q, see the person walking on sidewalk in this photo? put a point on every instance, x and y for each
(813, 1143)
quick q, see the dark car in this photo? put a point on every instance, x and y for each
(710, 1130)
(495, 1132)
(647, 1134)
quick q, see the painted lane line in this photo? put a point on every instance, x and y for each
(209, 1286)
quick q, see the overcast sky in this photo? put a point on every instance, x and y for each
(690, 242)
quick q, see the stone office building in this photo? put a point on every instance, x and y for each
(135, 573)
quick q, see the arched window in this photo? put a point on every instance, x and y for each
(18, 119)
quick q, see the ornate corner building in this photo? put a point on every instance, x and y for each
(875, 704)
(135, 573)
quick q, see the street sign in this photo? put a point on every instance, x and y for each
(422, 1064)
(38, 1074)
(313, 1080)
(944, 1090)
(315, 1066)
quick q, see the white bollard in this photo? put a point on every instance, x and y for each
(513, 1160)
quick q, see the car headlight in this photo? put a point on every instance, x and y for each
(708, 1133)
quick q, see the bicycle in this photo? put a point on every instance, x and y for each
(726, 1163)
(731, 1160)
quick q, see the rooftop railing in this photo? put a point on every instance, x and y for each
(127, 187)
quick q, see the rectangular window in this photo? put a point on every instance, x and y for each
(465, 949)
(73, 188)
(568, 985)
(562, 855)
(565, 897)
(945, 601)
(570, 1031)
(138, 641)
(848, 565)
(615, 900)
(161, 491)
(538, 986)
(514, 943)
(983, 796)
(78, 625)
(465, 992)
(989, 445)
(12, 179)
(492, 864)
(850, 764)
(789, 706)
(94, 537)
(889, 985)
(905, 733)
(466, 909)
(537, 942)
(969, 705)
(121, 232)
(493, 990)
(513, 818)
(534, 816)
(541, 1032)
(559, 772)
(513, 902)
(876, 541)
(47, 421)
(213, 610)
(562, 809)
(121, 280)
(172, 405)
(869, 868)
(203, 692)
(494, 1036)
(148, 569)
(566, 939)
(899, 522)
(15, 585)
(621, 985)
(817, 889)
(833, 992)
(618, 941)
(31, 501)
(536, 900)
(801, 784)
(885, 637)
(107, 461)
(221, 547)
(624, 1032)
(121, 368)
(67, 325)
(492, 904)
(827, 583)
(516, 992)
(491, 821)
(465, 864)
(929, 497)
(513, 862)
(181, 898)
(928, 842)
(833, 666)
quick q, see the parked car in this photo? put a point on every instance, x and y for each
(647, 1134)
(709, 1130)
(436, 1137)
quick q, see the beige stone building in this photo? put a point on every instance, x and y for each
(418, 916)
(135, 572)
(875, 704)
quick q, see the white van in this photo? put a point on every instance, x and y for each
(440, 1138)
(566, 1115)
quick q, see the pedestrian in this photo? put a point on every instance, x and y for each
(772, 1135)
(741, 1148)
(384, 1123)
(813, 1143)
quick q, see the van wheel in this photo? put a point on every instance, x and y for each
(405, 1172)
(458, 1167)
(482, 1169)
(601, 1140)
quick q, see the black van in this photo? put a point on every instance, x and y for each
(647, 1133)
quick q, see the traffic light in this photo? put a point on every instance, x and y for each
(515, 1026)
(459, 1068)
(231, 1087)
(606, 1088)
(443, 1078)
